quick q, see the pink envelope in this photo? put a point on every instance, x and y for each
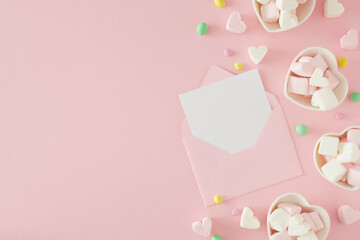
(271, 160)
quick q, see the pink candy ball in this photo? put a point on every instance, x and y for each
(235, 212)
(339, 116)
(227, 52)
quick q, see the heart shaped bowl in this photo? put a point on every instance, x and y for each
(303, 12)
(319, 160)
(298, 199)
(340, 91)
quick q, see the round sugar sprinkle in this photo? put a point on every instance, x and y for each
(339, 116)
(202, 28)
(301, 129)
(217, 199)
(235, 212)
(342, 62)
(355, 97)
(227, 52)
(238, 66)
(220, 3)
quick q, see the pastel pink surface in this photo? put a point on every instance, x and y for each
(215, 170)
(90, 137)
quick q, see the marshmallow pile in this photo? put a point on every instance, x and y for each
(311, 77)
(342, 156)
(281, 11)
(290, 223)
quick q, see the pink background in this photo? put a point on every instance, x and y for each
(90, 144)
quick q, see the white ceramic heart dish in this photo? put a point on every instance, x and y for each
(320, 161)
(340, 91)
(303, 12)
(298, 199)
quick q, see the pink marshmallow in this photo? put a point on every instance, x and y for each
(298, 85)
(269, 12)
(301, 1)
(328, 158)
(281, 236)
(353, 135)
(333, 80)
(320, 62)
(292, 209)
(347, 166)
(311, 90)
(308, 219)
(317, 221)
(304, 69)
(353, 175)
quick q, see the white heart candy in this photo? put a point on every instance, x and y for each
(287, 5)
(288, 20)
(257, 54)
(248, 220)
(298, 226)
(203, 228)
(350, 40)
(317, 79)
(333, 9)
(235, 24)
(263, 1)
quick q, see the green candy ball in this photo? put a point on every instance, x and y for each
(202, 28)
(216, 237)
(355, 97)
(301, 129)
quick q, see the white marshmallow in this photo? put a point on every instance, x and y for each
(348, 152)
(325, 99)
(287, 5)
(333, 9)
(329, 146)
(317, 78)
(297, 226)
(279, 219)
(333, 170)
(248, 220)
(263, 1)
(288, 19)
(309, 236)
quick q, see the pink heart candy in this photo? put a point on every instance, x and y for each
(347, 215)
(350, 40)
(235, 24)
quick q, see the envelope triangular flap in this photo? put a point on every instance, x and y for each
(228, 114)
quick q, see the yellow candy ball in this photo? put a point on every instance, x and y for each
(342, 62)
(220, 3)
(217, 199)
(238, 66)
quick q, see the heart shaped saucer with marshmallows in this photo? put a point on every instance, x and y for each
(303, 12)
(299, 200)
(320, 160)
(300, 91)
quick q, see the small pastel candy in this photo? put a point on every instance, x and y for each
(216, 237)
(238, 66)
(347, 215)
(227, 52)
(301, 129)
(220, 3)
(202, 28)
(333, 9)
(350, 40)
(235, 212)
(217, 199)
(235, 24)
(342, 62)
(355, 97)
(269, 12)
(339, 116)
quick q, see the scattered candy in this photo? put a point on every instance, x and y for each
(227, 52)
(203, 228)
(350, 40)
(342, 62)
(217, 199)
(235, 212)
(238, 66)
(220, 3)
(216, 237)
(202, 28)
(339, 116)
(355, 97)
(301, 129)
(347, 215)
(257, 54)
(333, 9)
(235, 24)
(248, 220)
